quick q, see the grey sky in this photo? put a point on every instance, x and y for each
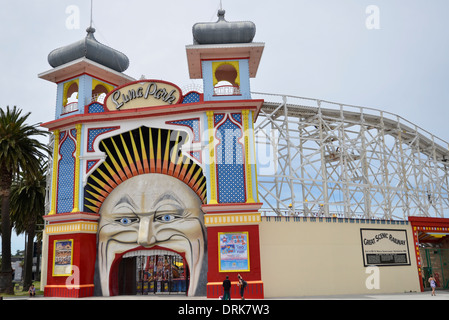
(313, 48)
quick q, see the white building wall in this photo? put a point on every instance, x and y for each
(302, 257)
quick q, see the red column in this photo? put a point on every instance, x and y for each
(227, 220)
(71, 254)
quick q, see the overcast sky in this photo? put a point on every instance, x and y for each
(313, 48)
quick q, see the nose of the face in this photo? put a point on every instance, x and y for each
(146, 236)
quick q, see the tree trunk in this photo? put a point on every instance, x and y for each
(6, 285)
(28, 268)
(38, 260)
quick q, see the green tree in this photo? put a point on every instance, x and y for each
(27, 204)
(19, 152)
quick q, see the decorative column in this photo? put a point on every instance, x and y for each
(54, 175)
(248, 158)
(211, 146)
(76, 198)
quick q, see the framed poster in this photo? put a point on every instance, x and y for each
(233, 251)
(62, 257)
(384, 247)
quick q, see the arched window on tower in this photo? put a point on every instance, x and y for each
(99, 90)
(99, 93)
(70, 102)
(226, 80)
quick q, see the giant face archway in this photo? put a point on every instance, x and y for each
(147, 213)
(149, 198)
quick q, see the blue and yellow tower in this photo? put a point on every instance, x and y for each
(225, 57)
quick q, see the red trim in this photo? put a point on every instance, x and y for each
(254, 290)
(225, 59)
(65, 292)
(422, 224)
(68, 215)
(71, 78)
(185, 125)
(86, 107)
(87, 163)
(93, 142)
(223, 119)
(230, 211)
(241, 118)
(193, 91)
(418, 258)
(429, 222)
(69, 221)
(153, 112)
(231, 207)
(66, 136)
(200, 160)
(216, 127)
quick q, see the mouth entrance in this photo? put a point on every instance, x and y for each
(156, 271)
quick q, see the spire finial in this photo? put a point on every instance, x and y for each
(90, 29)
(221, 12)
(91, 11)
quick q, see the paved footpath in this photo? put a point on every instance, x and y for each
(440, 295)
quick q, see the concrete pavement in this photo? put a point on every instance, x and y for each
(440, 295)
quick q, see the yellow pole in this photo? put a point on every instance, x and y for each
(76, 196)
(55, 172)
(248, 161)
(213, 184)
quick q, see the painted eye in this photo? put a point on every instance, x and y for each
(166, 218)
(126, 221)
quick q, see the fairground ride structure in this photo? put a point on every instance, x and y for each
(325, 159)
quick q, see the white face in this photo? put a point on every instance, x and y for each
(146, 211)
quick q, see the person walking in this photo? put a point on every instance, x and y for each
(242, 285)
(433, 284)
(227, 288)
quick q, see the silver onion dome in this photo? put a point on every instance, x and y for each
(222, 31)
(91, 49)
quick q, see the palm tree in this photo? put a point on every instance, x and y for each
(19, 152)
(27, 203)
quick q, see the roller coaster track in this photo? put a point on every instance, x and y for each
(320, 158)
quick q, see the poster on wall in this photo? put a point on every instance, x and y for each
(62, 258)
(233, 252)
(385, 247)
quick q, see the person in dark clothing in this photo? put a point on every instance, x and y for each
(227, 288)
(242, 284)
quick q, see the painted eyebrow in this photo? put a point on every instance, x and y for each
(127, 200)
(170, 196)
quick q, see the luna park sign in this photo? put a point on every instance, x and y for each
(142, 94)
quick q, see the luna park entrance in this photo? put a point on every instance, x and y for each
(153, 272)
